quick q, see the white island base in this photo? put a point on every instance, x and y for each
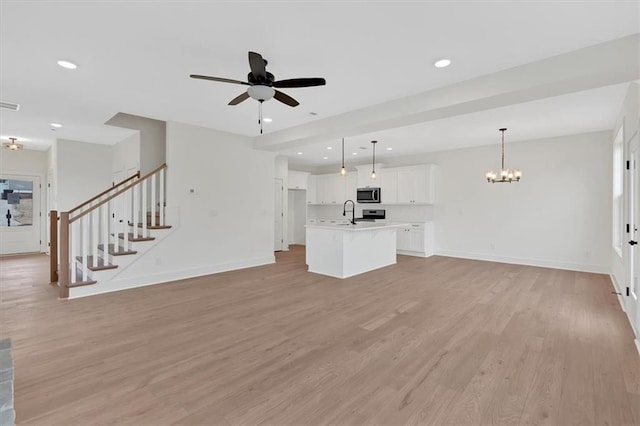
(343, 251)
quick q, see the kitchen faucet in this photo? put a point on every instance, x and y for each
(353, 211)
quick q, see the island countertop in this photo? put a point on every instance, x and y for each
(360, 226)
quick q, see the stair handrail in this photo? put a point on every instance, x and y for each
(106, 191)
(114, 195)
(60, 247)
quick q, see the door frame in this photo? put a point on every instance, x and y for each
(278, 192)
(38, 219)
(631, 295)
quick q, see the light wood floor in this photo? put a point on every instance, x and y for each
(427, 341)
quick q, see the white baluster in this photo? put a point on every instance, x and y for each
(114, 227)
(104, 210)
(125, 220)
(161, 197)
(73, 242)
(153, 200)
(136, 210)
(84, 248)
(145, 208)
(95, 232)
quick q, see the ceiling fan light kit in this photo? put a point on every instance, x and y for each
(506, 174)
(261, 84)
(13, 146)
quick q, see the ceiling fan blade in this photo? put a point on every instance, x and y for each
(300, 82)
(286, 99)
(242, 97)
(256, 62)
(221, 80)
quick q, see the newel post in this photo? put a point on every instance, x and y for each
(65, 265)
(53, 248)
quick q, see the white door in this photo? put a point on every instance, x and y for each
(20, 219)
(278, 217)
(632, 194)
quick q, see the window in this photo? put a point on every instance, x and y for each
(618, 179)
(16, 202)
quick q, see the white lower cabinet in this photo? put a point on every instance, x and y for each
(416, 239)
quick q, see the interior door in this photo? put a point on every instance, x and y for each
(632, 194)
(20, 219)
(278, 216)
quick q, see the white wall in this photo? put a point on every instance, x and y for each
(225, 224)
(559, 215)
(29, 163)
(152, 138)
(84, 170)
(126, 156)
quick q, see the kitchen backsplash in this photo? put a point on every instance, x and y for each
(394, 213)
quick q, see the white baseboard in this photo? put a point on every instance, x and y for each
(414, 253)
(543, 263)
(617, 287)
(164, 277)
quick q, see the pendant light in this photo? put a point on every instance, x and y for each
(343, 171)
(373, 172)
(506, 175)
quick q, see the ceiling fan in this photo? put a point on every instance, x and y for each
(262, 83)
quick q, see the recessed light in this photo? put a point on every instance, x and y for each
(325, 158)
(329, 147)
(56, 125)
(389, 149)
(267, 120)
(354, 153)
(442, 63)
(299, 153)
(68, 65)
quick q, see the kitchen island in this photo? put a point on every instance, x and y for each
(345, 250)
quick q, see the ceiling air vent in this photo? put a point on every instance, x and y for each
(9, 105)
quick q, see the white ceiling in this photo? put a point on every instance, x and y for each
(135, 57)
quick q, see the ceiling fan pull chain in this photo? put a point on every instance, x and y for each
(260, 116)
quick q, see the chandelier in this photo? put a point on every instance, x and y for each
(506, 174)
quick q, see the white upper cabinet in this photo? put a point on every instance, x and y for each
(389, 187)
(398, 185)
(297, 180)
(312, 189)
(364, 176)
(414, 185)
(333, 188)
(350, 186)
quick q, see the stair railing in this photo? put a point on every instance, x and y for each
(99, 229)
(54, 218)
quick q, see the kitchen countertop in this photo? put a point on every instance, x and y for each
(359, 226)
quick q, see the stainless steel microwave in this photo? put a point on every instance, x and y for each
(368, 195)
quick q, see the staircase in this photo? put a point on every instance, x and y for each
(106, 233)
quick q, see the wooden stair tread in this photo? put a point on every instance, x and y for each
(122, 251)
(154, 226)
(102, 265)
(134, 238)
(79, 282)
